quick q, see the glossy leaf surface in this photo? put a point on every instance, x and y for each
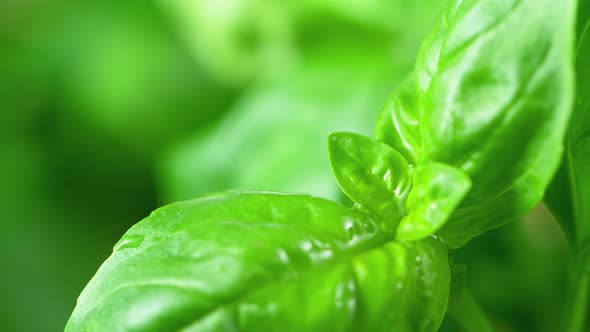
(398, 122)
(437, 189)
(569, 194)
(371, 174)
(265, 261)
(491, 95)
(381, 181)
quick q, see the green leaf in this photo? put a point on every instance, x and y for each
(437, 190)
(398, 123)
(569, 194)
(578, 143)
(558, 200)
(265, 262)
(378, 179)
(492, 96)
(371, 174)
(463, 308)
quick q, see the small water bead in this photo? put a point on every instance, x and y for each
(130, 241)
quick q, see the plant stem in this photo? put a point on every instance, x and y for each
(465, 310)
(577, 321)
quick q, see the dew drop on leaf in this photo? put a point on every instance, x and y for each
(131, 241)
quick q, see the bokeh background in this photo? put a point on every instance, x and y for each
(109, 109)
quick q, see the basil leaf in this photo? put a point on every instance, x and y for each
(570, 203)
(371, 174)
(492, 96)
(398, 122)
(265, 261)
(437, 189)
(379, 179)
(558, 200)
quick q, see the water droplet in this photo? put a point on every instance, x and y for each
(325, 254)
(306, 246)
(433, 206)
(356, 230)
(348, 224)
(283, 257)
(131, 241)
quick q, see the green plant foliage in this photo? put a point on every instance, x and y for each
(265, 261)
(379, 179)
(437, 189)
(468, 142)
(344, 60)
(491, 75)
(568, 195)
(371, 174)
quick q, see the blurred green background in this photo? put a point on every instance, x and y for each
(110, 109)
